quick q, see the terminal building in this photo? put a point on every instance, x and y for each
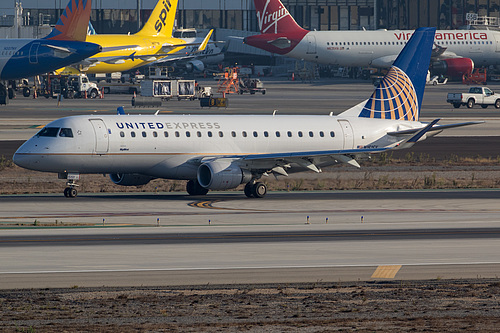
(122, 16)
(238, 17)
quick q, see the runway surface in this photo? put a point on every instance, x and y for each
(172, 239)
(283, 238)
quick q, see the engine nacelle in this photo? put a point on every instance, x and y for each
(195, 66)
(222, 175)
(129, 179)
(453, 67)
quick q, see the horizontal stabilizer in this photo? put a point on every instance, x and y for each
(435, 128)
(414, 139)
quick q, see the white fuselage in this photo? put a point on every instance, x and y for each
(168, 146)
(381, 47)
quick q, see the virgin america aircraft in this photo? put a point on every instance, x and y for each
(219, 152)
(455, 51)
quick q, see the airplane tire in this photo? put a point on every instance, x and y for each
(70, 192)
(259, 190)
(194, 188)
(248, 190)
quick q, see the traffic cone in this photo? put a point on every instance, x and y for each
(134, 95)
(85, 94)
(102, 93)
(293, 76)
(34, 94)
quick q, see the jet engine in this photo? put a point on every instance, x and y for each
(129, 179)
(453, 67)
(195, 66)
(222, 175)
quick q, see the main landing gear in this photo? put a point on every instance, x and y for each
(255, 189)
(194, 188)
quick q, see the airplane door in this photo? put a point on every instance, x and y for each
(311, 44)
(101, 136)
(497, 41)
(34, 53)
(348, 134)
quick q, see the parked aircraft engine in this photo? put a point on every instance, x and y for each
(222, 175)
(195, 66)
(129, 179)
(453, 67)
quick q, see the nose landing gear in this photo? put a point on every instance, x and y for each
(70, 191)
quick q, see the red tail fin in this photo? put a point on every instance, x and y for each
(273, 17)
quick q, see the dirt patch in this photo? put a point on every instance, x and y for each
(416, 306)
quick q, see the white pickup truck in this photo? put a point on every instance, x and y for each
(476, 95)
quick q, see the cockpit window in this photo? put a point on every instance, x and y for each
(49, 131)
(66, 132)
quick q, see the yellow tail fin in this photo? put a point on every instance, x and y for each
(161, 21)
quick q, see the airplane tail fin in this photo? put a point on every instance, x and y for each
(73, 23)
(273, 17)
(162, 19)
(400, 93)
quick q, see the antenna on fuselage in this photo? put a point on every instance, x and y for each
(156, 113)
(274, 112)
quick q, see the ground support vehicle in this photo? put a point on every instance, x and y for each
(476, 95)
(251, 86)
(68, 86)
(168, 89)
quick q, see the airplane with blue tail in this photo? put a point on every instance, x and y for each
(219, 152)
(65, 45)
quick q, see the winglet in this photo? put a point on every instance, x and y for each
(204, 44)
(73, 23)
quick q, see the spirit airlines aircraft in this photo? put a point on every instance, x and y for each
(63, 46)
(219, 152)
(152, 42)
(455, 53)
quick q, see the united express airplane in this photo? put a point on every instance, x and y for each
(219, 152)
(456, 51)
(63, 46)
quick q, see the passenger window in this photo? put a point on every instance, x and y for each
(332, 134)
(66, 133)
(289, 134)
(266, 134)
(122, 134)
(311, 134)
(177, 134)
(255, 134)
(165, 133)
(132, 134)
(278, 134)
(155, 134)
(209, 133)
(49, 131)
(144, 134)
(233, 134)
(322, 134)
(300, 134)
(221, 134)
(188, 134)
(244, 134)
(198, 134)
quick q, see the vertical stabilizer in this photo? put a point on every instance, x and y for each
(73, 23)
(162, 19)
(399, 95)
(273, 17)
